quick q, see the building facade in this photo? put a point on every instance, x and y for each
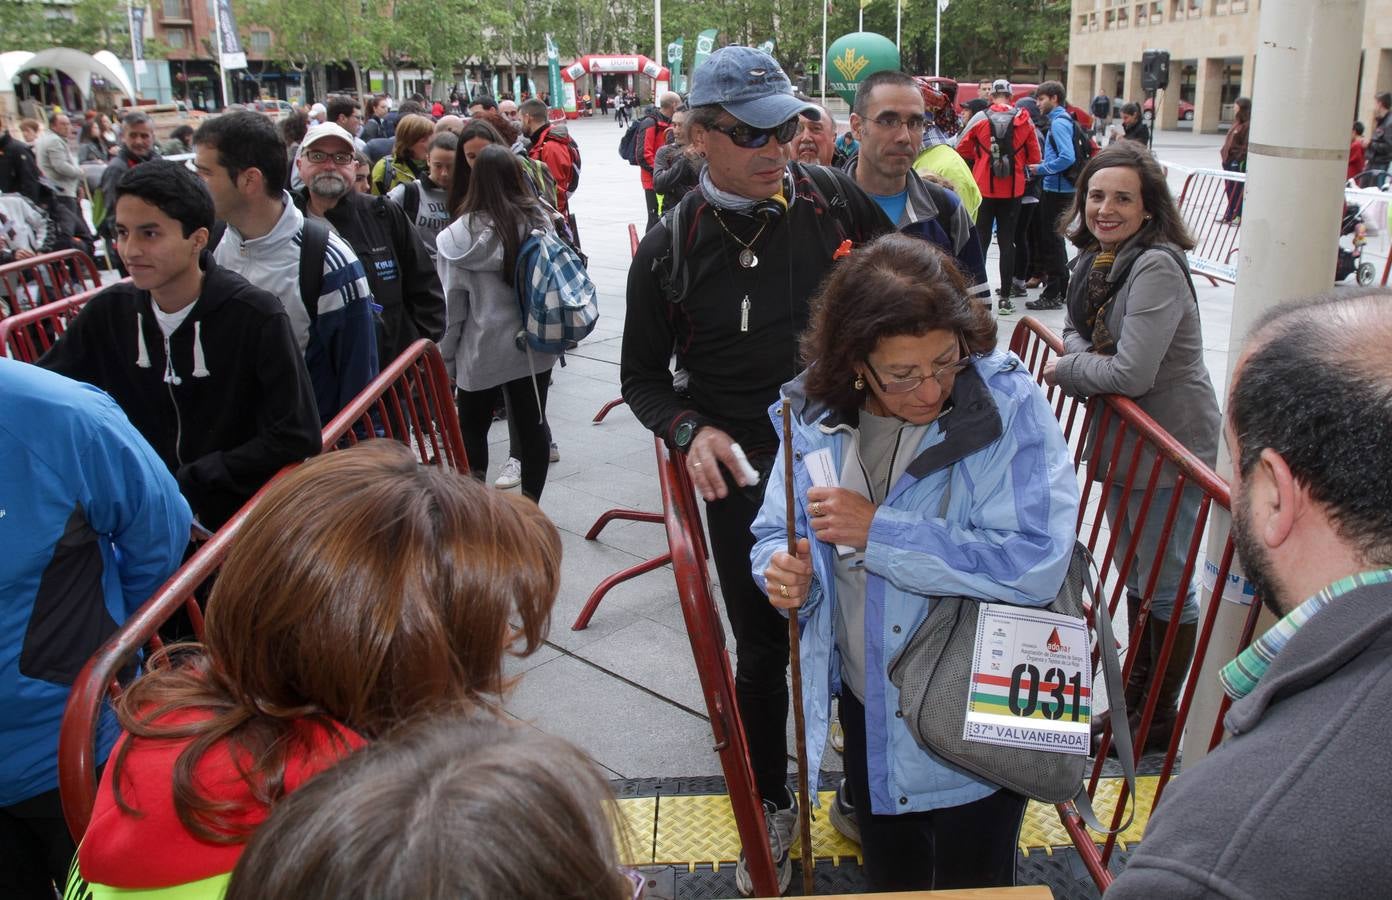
(1213, 55)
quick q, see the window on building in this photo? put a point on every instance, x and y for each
(261, 42)
(1121, 18)
(1109, 22)
(175, 9)
(176, 38)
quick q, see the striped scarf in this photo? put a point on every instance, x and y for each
(1239, 677)
(1098, 294)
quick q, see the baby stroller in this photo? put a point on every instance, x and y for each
(1350, 261)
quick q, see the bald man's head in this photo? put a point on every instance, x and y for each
(669, 102)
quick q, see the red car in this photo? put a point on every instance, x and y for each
(1186, 109)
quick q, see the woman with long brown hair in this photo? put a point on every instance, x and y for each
(365, 589)
(1132, 328)
(951, 478)
(477, 262)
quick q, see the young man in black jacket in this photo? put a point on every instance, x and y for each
(753, 243)
(398, 266)
(203, 362)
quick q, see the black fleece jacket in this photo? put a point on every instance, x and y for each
(228, 407)
(398, 266)
(734, 374)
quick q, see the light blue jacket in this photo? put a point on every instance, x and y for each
(1007, 537)
(1058, 152)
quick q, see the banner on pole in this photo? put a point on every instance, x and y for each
(558, 97)
(942, 5)
(137, 31)
(675, 51)
(230, 52)
(705, 43)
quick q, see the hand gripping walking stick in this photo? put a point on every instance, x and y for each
(795, 657)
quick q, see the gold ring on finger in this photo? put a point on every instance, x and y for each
(816, 508)
(783, 590)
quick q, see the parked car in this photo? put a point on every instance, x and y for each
(1186, 109)
(276, 109)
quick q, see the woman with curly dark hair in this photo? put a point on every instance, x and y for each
(953, 479)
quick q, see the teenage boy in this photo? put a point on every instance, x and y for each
(204, 364)
(268, 242)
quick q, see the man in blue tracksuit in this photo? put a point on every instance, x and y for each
(92, 524)
(1057, 195)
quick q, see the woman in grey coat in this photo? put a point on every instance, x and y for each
(476, 261)
(1132, 328)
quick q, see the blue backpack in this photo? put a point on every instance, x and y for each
(559, 303)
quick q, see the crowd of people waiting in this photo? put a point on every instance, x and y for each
(336, 733)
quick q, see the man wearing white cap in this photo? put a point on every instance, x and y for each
(398, 266)
(724, 280)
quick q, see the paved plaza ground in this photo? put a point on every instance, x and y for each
(625, 689)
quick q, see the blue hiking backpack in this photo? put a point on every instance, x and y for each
(559, 303)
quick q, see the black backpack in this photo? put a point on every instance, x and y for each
(410, 202)
(631, 144)
(314, 245)
(1002, 126)
(1083, 149)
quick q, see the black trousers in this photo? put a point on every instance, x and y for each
(761, 640)
(1003, 213)
(35, 848)
(1053, 254)
(533, 438)
(650, 197)
(967, 846)
(1025, 237)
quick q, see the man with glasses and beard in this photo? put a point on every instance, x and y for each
(724, 281)
(1310, 728)
(398, 266)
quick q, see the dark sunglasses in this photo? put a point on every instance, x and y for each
(749, 137)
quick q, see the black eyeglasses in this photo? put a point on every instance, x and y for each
(751, 138)
(318, 156)
(892, 122)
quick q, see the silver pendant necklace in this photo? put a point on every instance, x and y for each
(747, 258)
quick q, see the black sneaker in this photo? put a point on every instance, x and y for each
(1004, 307)
(1017, 289)
(1045, 303)
(843, 814)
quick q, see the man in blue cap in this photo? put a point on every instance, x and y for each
(724, 282)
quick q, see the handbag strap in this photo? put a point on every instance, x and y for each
(1121, 731)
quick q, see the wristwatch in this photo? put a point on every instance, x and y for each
(684, 433)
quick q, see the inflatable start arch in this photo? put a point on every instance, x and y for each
(602, 64)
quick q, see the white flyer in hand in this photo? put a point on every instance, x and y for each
(1031, 680)
(821, 468)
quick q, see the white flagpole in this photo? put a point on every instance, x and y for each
(898, 28)
(937, 42)
(135, 64)
(222, 70)
(823, 66)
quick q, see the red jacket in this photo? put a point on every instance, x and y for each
(1357, 157)
(653, 140)
(153, 849)
(975, 147)
(555, 153)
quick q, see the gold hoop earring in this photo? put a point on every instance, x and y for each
(859, 383)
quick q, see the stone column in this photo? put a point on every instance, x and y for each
(1208, 96)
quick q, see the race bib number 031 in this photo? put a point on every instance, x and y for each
(1031, 681)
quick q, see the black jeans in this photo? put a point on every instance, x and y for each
(1004, 213)
(967, 846)
(533, 438)
(1053, 254)
(761, 641)
(35, 848)
(1025, 237)
(650, 197)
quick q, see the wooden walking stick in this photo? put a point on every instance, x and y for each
(795, 657)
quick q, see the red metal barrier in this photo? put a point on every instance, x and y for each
(1203, 203)
(409, 401)
(26, 336)
(587, 612)
(27, 283)
(1132, 454)
(687, 543)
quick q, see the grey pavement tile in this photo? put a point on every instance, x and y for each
(625, 729)
(515, 666)
(655, 656)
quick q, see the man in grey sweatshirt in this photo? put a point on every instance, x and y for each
(1289, 805)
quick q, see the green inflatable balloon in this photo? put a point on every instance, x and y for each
(852, 58)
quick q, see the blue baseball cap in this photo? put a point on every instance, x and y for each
(750, 85)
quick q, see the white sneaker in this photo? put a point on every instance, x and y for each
(782, 825)
(555, 452)
(511, 476)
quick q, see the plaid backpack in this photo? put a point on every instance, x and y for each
(558, 299)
